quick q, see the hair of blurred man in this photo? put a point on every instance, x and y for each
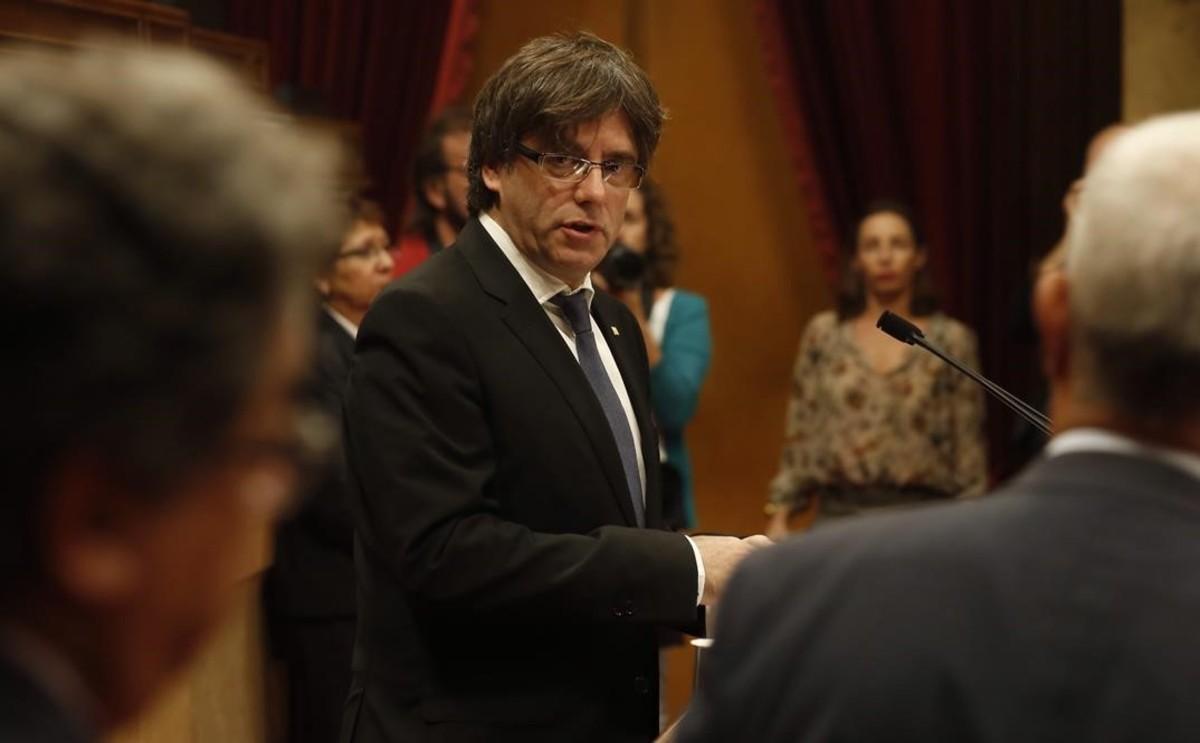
(159, 227)
(1099, 142)
(852, 294)
(432, 170)
(1133, 269)
(550, 86)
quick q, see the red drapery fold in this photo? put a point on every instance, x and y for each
(977, 113)
(780, 63)
(385, 64)
(454, 68)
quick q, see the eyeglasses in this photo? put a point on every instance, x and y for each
(616, 173)
(275, 465)
(366, 251)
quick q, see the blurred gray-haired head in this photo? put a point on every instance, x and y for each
(1133, 261)
(156, 218)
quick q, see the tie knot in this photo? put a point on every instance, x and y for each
(575, 308)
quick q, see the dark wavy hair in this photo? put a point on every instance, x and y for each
(662, 252)
(852, 295)
(553, 84)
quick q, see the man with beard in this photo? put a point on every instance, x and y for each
(440, 183)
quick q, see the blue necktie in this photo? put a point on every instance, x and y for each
(575, 309)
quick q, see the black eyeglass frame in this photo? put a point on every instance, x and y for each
(540, 157)
(366, 252)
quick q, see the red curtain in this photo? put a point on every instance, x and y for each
(382, 63)
(977, 113)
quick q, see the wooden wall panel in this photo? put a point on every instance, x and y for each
(247, 56)
(70, 22)
(1162, 57)
(64, 21)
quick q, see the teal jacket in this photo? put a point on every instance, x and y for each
(675, 382)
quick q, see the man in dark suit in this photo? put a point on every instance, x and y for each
(309, 589)
(1062, 608)
(153, 347)
(512, 570)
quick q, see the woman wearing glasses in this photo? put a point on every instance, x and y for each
(310, 589)
(873, 423)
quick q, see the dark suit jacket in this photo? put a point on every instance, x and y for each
(1064, 608)
(312, 575)
(29, 715)
(504, 590)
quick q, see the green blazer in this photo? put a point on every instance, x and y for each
(675, 382)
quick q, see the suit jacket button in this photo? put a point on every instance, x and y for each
(641, 685)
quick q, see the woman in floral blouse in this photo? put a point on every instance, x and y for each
(873, 423)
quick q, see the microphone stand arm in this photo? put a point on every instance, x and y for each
(1034, 417)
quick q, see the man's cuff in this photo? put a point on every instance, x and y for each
(699, 570)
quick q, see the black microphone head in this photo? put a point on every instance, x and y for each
(899, 328)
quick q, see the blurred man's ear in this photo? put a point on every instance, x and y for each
(1052, 313)
(91, 526)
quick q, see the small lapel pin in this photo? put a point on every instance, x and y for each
(614, 330)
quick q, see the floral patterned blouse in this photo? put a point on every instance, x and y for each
(849, 427)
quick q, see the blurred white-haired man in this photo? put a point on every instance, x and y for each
(158, 238)
(1061, 608)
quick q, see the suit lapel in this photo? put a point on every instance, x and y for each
(528, 322)
(342, 341)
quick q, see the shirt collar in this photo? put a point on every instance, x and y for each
(542, 285)
(1099, 439)
(341, 319)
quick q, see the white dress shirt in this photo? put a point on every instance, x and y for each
(659, 313)
(545, 287)
(341, 319)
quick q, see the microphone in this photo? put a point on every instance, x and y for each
(906, 332)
